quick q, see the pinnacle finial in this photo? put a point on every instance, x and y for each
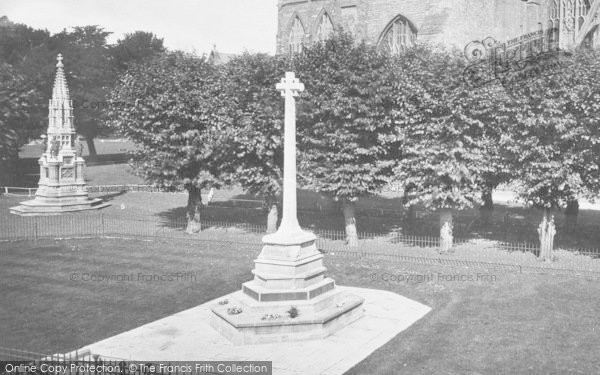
(60, 115)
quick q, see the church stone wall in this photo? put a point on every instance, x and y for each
(453, 23)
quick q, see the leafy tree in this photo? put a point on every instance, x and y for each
(88, 67)
(18, 40)
(170, 108)
(443, 156)
(134, 48)
(16, 99)
(27, 51)
(489, 106)
(556, 139)
(87, 62)
(345, 123)
(254, 153)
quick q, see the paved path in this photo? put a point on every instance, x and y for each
(187, 336)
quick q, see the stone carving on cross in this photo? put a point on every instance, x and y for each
(290, 85)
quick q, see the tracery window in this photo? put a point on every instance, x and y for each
(566, 17)
(296, 40)
(325, 28)
(571, 13)
(581, 11)
(554, 10)
(398, 36)
(553, 25)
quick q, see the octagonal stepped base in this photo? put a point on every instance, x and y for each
(317, 318)
(264, 294)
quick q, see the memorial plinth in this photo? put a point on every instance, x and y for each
(289, 272)
(62, 187)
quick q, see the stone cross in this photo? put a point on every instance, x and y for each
(290, 87)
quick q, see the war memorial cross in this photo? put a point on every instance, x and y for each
(290, 87)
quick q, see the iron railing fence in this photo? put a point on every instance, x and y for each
(77, 356)
(391, 244)
(87, 363)
(14, 227)
(504, 226)
(78, 362)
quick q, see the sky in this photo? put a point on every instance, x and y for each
(190, 25)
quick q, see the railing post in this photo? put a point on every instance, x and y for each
(102, 224)
(35, 231)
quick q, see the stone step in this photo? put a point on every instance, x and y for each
(249, 327)
(262, 294)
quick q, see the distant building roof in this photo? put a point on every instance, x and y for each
(219, 58)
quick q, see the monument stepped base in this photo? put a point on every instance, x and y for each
(317, 318)
(48, 207)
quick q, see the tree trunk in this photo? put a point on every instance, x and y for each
(8, 169)
(350, 223)
(571, 214)
(411, 215)
(194, 208)
(93, 155)
(546, 232)
(486, 196)
(446, 227)
(272, 217)
(488, 205)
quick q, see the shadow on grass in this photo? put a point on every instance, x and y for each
(111, 196)
(386, 217)
(315, 212)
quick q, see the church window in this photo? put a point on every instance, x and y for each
(297, 34)
(581, 11)
(566, 16)
(572, 13)
(398, 36)
(554, 24)
(325, 28)
(554, 10)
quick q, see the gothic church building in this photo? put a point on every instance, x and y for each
(394, 24)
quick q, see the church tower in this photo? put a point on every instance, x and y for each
(62, 187)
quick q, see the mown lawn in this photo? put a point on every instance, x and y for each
(103, 147)
(51, 299)
(502, 323)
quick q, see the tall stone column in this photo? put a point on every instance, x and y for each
(289, 231)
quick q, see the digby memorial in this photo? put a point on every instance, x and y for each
(290, 297)
(62, 187)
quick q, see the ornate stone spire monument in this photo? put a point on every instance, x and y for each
(289, 276)
(62, 187)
